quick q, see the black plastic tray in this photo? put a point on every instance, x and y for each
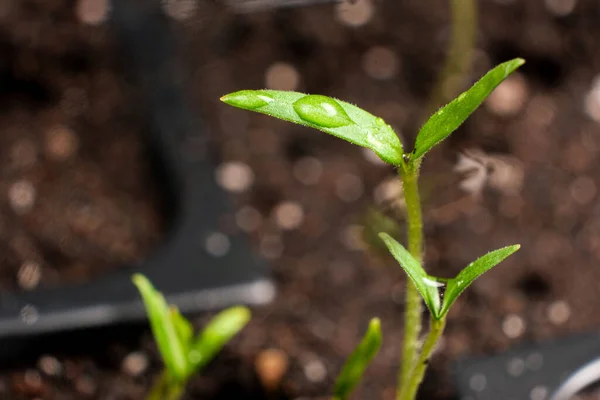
(530, 371)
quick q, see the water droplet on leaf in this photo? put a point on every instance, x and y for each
(247, 99)
(380, 121)
(432, 282)
(322, 111)
(439, 284)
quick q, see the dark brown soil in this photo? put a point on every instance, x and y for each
(69, 212)
(536, 153)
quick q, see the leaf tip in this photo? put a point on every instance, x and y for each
(384, 236)
(246, 99)
(375, 324)
(138, 279)
(242, 313)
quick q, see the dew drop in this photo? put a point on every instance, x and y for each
(266, 98)
(247, 99)
(322, 111)
(380, 121)
(433, 283)
(439, 284)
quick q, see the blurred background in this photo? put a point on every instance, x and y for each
(79, 196)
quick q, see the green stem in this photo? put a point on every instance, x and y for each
(436, 329)
(165, 389)
(451, 80)
(412, 316)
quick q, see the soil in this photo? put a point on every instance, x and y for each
(527, 158)
(69, 212)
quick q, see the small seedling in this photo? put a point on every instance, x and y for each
(183, 353)
(358, 361)
(357, 126)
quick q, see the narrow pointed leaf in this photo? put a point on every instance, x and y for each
(329, 115)
(183, 327)
(358, 361)
(447, 119)
(220, 330)
(473, 271)
(427, 285)
(163, 329)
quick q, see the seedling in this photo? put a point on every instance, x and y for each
(181, 352)
(358, 361)
(357, 126)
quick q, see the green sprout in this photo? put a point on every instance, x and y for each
(183, 354)
(357, 126)
(358, 361)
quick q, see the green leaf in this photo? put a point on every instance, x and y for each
(447, 119)
(358, 361)
(473, 271)
(183, 327)
(216, 334)
(329, 115)
(163, 329)
(427, 285)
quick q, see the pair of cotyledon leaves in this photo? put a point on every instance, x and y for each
(182, 353)
(357, 126)
(439, 294)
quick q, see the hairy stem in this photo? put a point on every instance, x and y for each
(460, 53)
(449, 83)
(436, 328)
(412, 316)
